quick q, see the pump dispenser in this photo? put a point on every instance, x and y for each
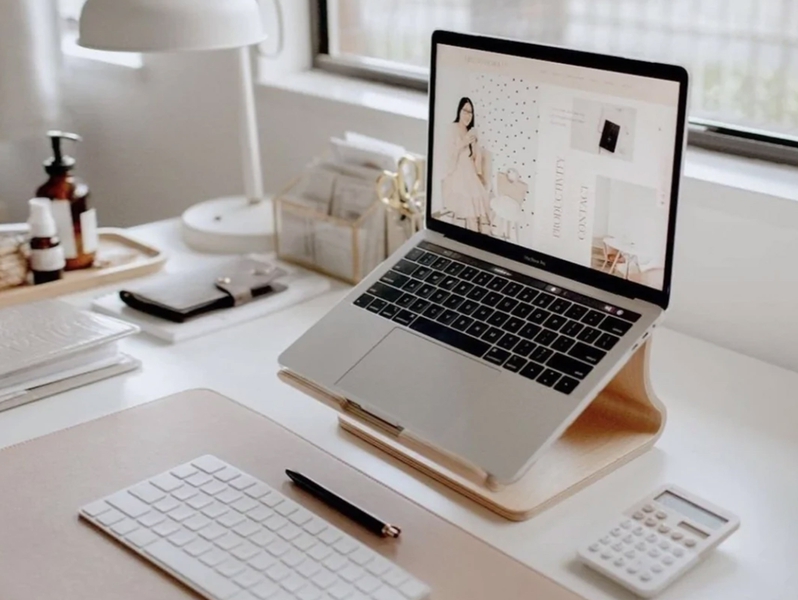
(76, 222)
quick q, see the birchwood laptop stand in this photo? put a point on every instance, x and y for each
(622, 422)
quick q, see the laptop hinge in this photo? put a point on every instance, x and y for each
(371, 418)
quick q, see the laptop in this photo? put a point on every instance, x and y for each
(492, 329)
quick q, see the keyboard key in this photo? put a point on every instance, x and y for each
(538, 316)
(512, 288)
(545, 337)
(438, 296)
(454, 268)
(515, 363)
(498, 318)
(497, 284)
(427, 259)
(543, 300)
(463, 288)
(462, 323)
(435, 277)
(482, 313)
(468, 307)
(493, 335)
(559, 306)
(477, 293)
(548, 377)
(524, 348)
(147, 492)
(185, 566)
(448, 336)
(508, 341)
(607, 341)
(477, 328)
(364, 300)
(386, 292)
(541, 354)
(588, 335)
(531, 370)
(593, 318)
(390, 311)
(440, 263)
(492, 299)
(529, 331)
(576, 312)
(616, 326)
(497, 356)
(434, 311)
(419, 306)
(453, 301)
(415, 254)
(569, 366)
(447, 317)
(425, 291)
(566, 384)
(507, 304)
(422, 273)
(563, 344)
(554, 322)
(572, 328)
(393, 278)
(527, 294)
(468, 273)
(376, 305)
(513, 324)
(405, 267)
(128, 504)
(406, 300)
(589, 354)
(412, 285)
(482, 279)
(448, 283)
(522, 310)
(404, 317)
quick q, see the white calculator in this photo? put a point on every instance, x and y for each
(658, 540)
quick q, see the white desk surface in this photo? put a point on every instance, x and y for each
(731, 437)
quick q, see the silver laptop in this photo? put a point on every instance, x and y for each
(553, 177)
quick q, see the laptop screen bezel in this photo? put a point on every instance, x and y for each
(528, 256)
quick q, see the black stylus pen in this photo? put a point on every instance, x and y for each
(346, 508)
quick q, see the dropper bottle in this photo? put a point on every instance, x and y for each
(46, 254)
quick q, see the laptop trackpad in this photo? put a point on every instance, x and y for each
(420, 384)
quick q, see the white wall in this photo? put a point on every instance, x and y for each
(162, 137)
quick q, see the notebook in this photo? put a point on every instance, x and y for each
(51, 346)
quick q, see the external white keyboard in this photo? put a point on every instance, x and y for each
(230, 536)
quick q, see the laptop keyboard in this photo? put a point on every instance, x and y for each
(522, 324)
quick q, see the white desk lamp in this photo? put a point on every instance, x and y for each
(233, 224)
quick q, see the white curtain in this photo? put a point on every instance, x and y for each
(29, 67)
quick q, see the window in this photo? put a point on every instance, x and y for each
(742, 54)
(69, 11)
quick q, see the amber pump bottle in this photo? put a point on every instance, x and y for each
(76, 222)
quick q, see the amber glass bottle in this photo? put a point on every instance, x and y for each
(77, 223)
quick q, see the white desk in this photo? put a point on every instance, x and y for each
(731, 437)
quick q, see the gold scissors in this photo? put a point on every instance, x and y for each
(401, 191)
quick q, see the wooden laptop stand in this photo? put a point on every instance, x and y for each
(622, 422)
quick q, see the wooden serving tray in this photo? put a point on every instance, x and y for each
(119, 257)
(623, 421)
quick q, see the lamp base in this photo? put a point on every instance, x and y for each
(230, 225)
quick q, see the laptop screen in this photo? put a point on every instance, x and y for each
(569, 161)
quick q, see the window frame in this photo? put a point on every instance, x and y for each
(718, 136)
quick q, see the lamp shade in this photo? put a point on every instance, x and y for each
(170, 25)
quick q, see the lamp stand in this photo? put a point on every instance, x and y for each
(236, 224)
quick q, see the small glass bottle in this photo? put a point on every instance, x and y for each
(46, 255)
(76, 222)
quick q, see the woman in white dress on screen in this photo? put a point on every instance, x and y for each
(462, 189)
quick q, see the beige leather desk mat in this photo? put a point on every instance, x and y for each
(46, 552)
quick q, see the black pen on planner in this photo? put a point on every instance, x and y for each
(346, 508)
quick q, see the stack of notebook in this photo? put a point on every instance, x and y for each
(49, 347)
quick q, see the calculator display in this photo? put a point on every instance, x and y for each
(690, 510)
